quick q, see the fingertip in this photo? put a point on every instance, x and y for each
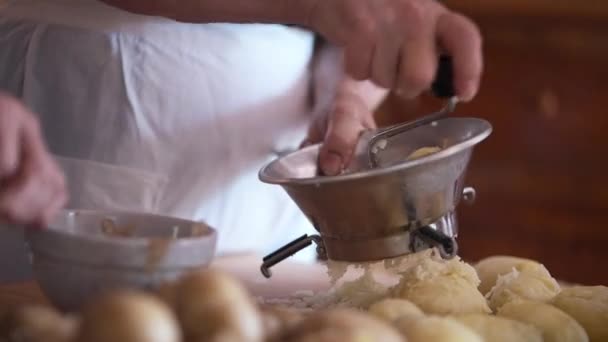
(468, 90)
(462, 40)
(331, 163)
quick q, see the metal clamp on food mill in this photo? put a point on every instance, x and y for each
(389, 201)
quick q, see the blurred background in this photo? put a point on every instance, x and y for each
(542, 176)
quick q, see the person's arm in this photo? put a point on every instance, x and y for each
(211, 11)
(343, 108)
(394, 43)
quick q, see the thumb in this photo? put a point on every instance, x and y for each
(345, 125)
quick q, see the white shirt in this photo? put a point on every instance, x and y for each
(152, 115)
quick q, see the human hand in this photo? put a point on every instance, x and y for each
(339, 123)
(32, 187)
(396, 43)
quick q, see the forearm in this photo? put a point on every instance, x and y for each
(211, 11)
(330, 80)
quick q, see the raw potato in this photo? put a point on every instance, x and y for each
(333, 335)
(589, 306)
(490, 268)
(128, 316)
(440, 329)
(525, 285)
(40, 324)
(168, 293)
(391, 309)
(443, 288)
(345, 325)
(277, 321)
(213, 306)
(556, 325)
(501, 329)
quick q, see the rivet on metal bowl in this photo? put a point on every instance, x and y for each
(468, 195)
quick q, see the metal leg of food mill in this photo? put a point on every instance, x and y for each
(289, 250)
(426, 237)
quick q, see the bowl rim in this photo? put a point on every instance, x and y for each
(126, 242)
(454, 149)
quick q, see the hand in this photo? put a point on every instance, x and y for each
(396, 43)
(339, 126)
(32, 187)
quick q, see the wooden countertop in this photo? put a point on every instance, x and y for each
(288, 277)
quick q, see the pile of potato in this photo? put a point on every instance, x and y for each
(499, 299)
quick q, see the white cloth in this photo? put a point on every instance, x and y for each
(152, 115)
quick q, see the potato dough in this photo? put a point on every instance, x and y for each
(443, 288)
(343, 325)
(212, 306)
(500, 329)
(490, 268)
(556, 325)
(524, 285)
(442, 329)
(391, 309)
(589, 306)
(128, 316)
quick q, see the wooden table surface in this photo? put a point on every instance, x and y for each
(287, 278)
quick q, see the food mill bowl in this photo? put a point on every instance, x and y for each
(353, 211)
(85, 252)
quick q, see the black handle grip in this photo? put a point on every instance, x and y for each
(443, 86)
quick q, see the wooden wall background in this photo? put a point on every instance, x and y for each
(542, 177)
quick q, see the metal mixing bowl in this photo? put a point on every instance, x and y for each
(85, 252)
(363, 215)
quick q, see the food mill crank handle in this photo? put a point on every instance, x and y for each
(442, 87)
(289, 250)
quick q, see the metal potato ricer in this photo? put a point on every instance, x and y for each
(386, 203)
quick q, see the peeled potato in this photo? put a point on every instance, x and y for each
(436, 329)
(40, 324)
(347, 325)
(524, 285)
(423, 152)
(555, 325)
(443, 288)
(490, 268)
(391, 309)
(212, 306)
(500, 329)
(128, 316)
(589, 306)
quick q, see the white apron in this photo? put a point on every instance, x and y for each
(152, 115)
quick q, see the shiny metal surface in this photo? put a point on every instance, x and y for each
(379, 140)
(367, 215)
(75, 258)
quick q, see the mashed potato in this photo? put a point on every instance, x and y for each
(443, 288)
